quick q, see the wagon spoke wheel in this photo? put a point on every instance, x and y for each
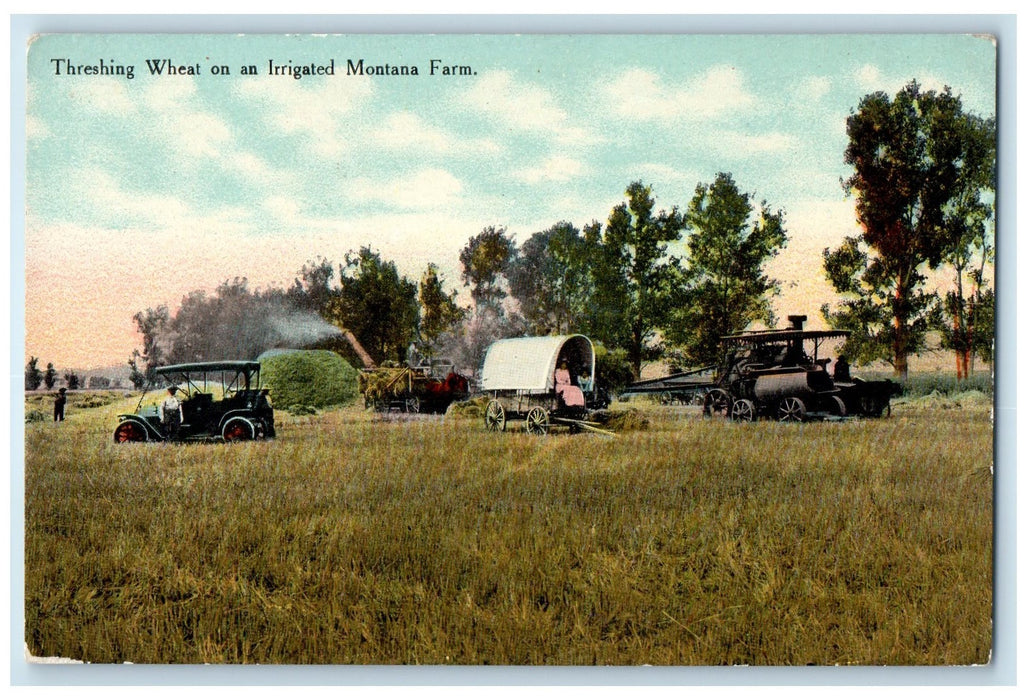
(129, 432)
(537, 422)
(791, 409)
(743, 411)
(716, 404)
(413, 405)
(238, 429)
(666, 398)
(495, 417)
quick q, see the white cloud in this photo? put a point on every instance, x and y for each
(661, 172)
(738, 143)
(813, 89)
(405, 131)
(318, 113)
(427, 189)
(554, 169)
(639, 94)
(868, 77)
(522, 107)
(108, 95)
(158, 213)
(35, 128)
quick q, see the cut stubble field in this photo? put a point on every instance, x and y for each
(353, 539)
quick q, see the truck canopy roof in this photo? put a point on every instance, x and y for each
(200, 367)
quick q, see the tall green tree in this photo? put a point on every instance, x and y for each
(152, 325)
(634, 278)
(918, 170)
(377, 304)
(485, 261)
(726, 286)
(550, 280)
(72, 380)
(314, 289)
(965, 327)
(33, 375)
(50, 376)
(439, 311)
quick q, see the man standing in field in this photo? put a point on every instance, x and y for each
(171, 414)
(58, 405)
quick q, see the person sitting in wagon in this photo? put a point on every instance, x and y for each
(565, 389)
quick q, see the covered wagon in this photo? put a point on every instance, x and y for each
(544, 380)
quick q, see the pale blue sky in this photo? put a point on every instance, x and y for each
(141, 190)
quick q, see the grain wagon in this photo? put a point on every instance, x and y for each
(428, 388)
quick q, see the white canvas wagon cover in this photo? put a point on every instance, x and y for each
(529, 364)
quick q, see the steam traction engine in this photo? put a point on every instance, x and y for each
(770, 373)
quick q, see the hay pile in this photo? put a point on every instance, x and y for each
(473, 407)
(309, 378)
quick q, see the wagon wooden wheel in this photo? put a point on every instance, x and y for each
(413, 404)
(495, 417)
(716, 403)
(537, 422)
(791, 409)
(743, 410)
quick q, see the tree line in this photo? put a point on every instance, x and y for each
(665, 283)
(50, 377)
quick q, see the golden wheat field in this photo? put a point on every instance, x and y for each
(360, 539)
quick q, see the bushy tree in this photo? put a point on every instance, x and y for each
(550, 281)
(919, 172)
(377, 304)
(968, 310)
(33, 375)
(152, 325)
(485, 261)
(439, 312)
(50, 376)
(725, 285)
(634, 279)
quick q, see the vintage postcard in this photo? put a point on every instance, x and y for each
(669, 350)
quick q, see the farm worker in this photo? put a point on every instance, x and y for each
(571, 395)
(171, 413)
(841, 369)
(58, 405)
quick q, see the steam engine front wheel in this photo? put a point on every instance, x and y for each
(716, 404)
